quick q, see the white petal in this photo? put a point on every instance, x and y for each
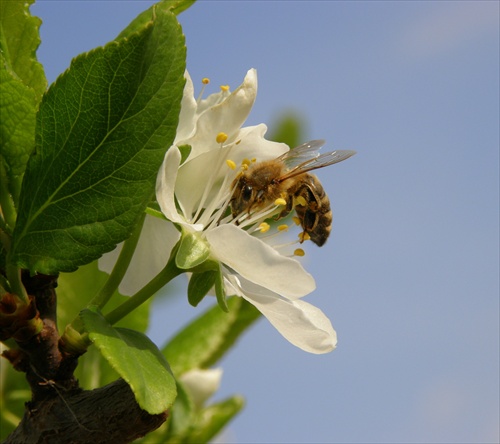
(227, 117)
(253, 145)
(195, 175)
(165, 184)
(201, 384)
(157, 239)
(258, 262)
(186, 125)
(301, 323)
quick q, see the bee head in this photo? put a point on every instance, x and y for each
(243, 197)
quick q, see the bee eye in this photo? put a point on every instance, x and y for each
(246, 192)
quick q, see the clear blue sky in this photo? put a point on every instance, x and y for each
(410, 276)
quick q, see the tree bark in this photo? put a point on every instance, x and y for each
(59, 410)
(105, 415)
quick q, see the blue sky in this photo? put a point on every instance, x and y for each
(409, 277)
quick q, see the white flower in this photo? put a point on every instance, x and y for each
(195, 196)
(201, 384)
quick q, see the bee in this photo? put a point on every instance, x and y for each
(288, 177)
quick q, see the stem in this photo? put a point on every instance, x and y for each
(8, 208)
(120, 268)
(16, 284)
(159, 281)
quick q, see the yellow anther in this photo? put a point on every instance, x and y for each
(231, 164)
(299, 252)
(299, 200)
(246, 162)
(237, 142)
(205, 80)
(254, 160)
(283, 227)
(264, 226)
(280, 201)
(244, 167)
(224, 88)
(221, 137)
(304, 236)
(296, 220)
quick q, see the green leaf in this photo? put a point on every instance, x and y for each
(193, 251)
(207, 338)
(136, 359)
(19, 40)
(199, 285)
(174, 6)
(102, 131)
(22, 83)
(213, 419)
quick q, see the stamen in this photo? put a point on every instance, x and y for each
(205, 82)
(296, 220)
(263, 227)
(299, 200)
(283, 227)
(280, 201)
(231, 164)
(224, 88)
(304, 236)
(221, 137)
(299, 252)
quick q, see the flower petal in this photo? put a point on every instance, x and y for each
(201, 384)
(157, 239)
(227, 116)
(301, 323)
(165, 187)
(259, 262)
(187, 116)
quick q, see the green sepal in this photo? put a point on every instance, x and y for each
(199, 285)
(136, 359)
(193, 251)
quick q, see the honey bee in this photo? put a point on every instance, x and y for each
(287, 177)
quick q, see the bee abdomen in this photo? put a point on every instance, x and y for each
(316, 215)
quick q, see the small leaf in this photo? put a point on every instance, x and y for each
(136, 359)
(19, 41)
(102, 132)
(174, 6)
(193, 251)
(207, 338)
(22, 83)
(199, 285)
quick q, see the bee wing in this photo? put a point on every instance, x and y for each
(301, 153)
(306, 157)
